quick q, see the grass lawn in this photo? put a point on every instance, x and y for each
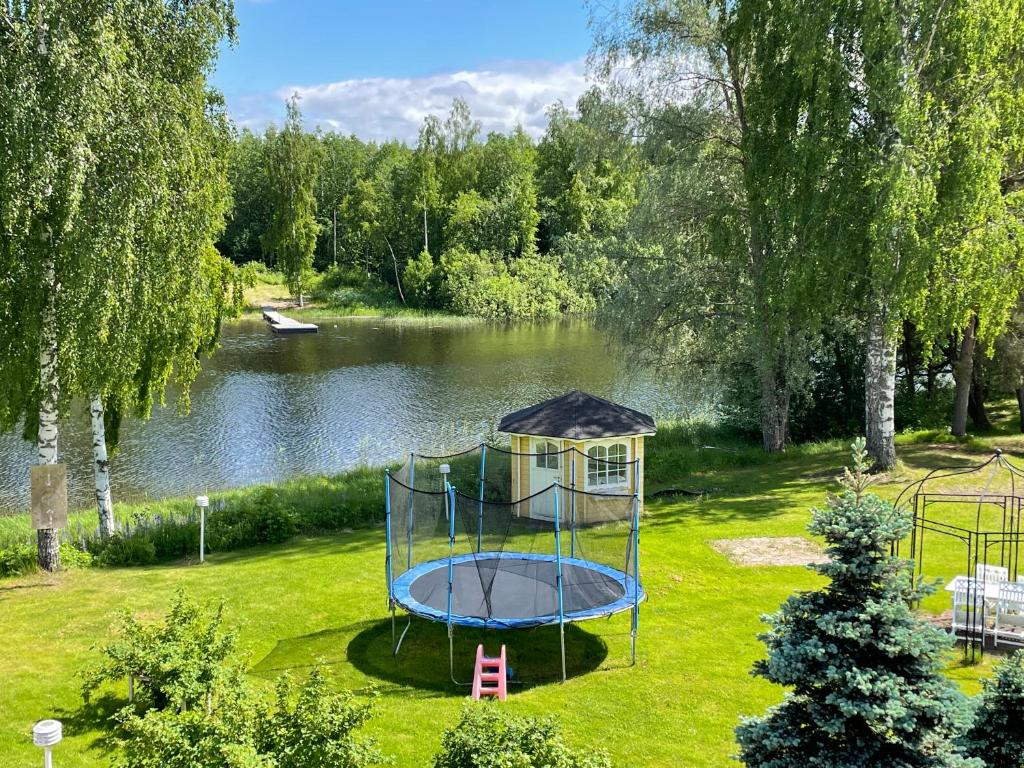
(324, 598)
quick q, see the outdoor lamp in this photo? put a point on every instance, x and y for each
(47, 734)
(202, 502)
(445, 470)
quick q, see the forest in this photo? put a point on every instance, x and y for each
(498, 226)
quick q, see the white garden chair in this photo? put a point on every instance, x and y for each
(969, 609)
(1009, 621)
(992, 573)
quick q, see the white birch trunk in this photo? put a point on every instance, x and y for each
(880, 392)
(47, 540)
(101, 468)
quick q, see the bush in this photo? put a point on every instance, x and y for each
(195, 707)
(487, 737)
(17, 558)
(420, 280)
(121, 550)
(71, 557)
(176, 662)
(482, 284)
(996, 737)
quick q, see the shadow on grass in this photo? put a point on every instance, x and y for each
(93, 717)
(422, 663)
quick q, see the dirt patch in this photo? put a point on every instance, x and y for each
(771, 550)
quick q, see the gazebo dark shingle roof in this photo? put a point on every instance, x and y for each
(578, 416)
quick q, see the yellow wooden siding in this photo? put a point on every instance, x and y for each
(523, 444)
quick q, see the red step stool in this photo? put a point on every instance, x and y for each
(489, 678)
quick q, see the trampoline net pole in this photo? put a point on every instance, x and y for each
(572, 502)
(558, 580)
(480, 514)
(387, 533)
(636, 564)
(409, 514)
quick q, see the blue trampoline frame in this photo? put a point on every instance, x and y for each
(403, 597)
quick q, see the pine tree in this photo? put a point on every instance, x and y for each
(997, 737)
(865, 673)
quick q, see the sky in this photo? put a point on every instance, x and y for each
(376, 68)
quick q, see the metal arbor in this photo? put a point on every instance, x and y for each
(972, 529)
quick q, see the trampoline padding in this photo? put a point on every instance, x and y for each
(523, 590)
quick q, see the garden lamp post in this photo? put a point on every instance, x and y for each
(47, 734)
(445, 470)
(202, 502)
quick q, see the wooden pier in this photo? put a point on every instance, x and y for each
(281, 324)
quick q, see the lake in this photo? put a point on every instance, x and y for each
(362, 391)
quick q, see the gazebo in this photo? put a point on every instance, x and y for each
(580, 441)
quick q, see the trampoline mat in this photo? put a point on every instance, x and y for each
(514, 589)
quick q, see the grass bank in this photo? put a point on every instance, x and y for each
(323, 597)
(336, 294)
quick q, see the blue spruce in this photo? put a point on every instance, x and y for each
(865, 674)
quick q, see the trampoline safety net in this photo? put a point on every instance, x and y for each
(465, 552)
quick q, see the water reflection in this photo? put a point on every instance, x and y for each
(268, 407)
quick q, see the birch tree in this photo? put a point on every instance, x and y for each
(294, 165)
(708, 282)
(106, 125)
(892, 125)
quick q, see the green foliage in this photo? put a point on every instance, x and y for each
(17, 558)
(177, 663)
(393, 212)
(420, 279)
(293, 164)
(996, 737)
(124, 549)
(313, 726)
(487, 737)
(309, 726)
(588, 170)
(865, 673)
(194, 707)
(114, 175)
(480, 283)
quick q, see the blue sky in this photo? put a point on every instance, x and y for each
(376, 68)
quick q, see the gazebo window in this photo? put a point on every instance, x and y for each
(547, 455)
(606, 466)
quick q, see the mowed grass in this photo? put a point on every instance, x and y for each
(323, 599)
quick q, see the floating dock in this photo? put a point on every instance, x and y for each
(281, 324)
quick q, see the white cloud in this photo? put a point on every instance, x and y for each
(381, 108)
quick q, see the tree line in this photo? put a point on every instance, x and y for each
(498, 225)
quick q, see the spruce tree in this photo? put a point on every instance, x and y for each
(865, 673)
(997, 736)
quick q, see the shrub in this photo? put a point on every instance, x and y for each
(310, 727)
(481, 283)
(71, 557)
(124, 549)
(196, 708)
(996, 737)
(17, 558)
(420, 280)
(177, 662)
(487, 737)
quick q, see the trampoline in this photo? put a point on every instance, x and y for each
(483, 560)
(524, 590)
